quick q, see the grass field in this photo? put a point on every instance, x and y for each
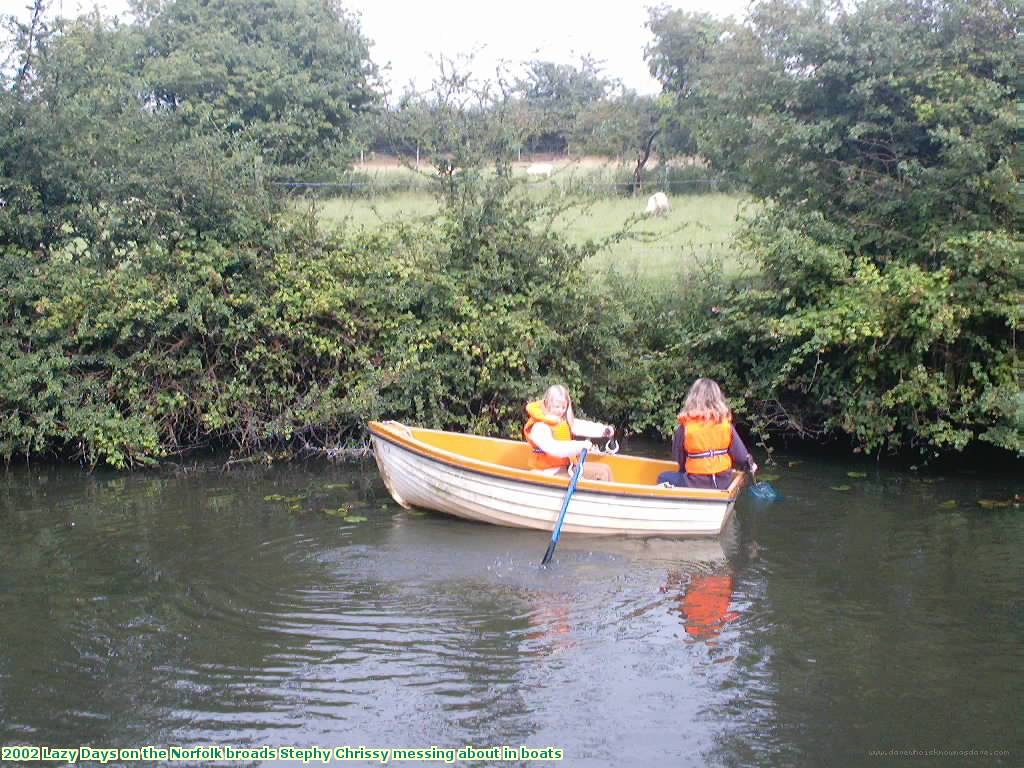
(696, 231)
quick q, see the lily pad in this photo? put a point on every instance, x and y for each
(294, 499)
(354, 519)
(339, 512)
(274, 497)
(840, 487)
(295, 507)
(857, 474)
(795, 463)
(766, 478)
(993, 503)
(415, 513)
(951, 504)
(336, 486)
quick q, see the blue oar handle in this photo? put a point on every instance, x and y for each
(565, 508)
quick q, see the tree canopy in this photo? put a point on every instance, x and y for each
(172, 125)
(293, 74)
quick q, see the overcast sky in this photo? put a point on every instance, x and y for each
(410, 35)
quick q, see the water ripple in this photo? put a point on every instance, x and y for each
(171, 610)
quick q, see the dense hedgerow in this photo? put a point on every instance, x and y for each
(451, 323)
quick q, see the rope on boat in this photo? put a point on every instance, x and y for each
(400, 427)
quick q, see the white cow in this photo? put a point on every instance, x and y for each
(540, 171)
(658, 204)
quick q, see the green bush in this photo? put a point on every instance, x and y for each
(452, 324)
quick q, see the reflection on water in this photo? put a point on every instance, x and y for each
(704, 601)
(550, 627)
(230, 608)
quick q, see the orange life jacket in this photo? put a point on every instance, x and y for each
(707, 446)
(560, 430)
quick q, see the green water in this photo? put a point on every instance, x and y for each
(188, 609)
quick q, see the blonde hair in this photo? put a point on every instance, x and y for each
(559, 390)
(706, 401)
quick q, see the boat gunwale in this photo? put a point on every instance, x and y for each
(385, 431)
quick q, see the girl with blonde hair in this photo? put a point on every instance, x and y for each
(550, 430)
(706, 444)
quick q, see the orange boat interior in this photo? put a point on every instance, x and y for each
(515, 455)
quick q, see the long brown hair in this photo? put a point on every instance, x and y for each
(706, 401)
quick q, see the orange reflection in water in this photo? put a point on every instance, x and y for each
(550, 623)
(704, 602)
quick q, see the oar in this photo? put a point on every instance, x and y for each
(565, 507)
(763, 490)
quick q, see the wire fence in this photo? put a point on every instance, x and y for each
(587, 183)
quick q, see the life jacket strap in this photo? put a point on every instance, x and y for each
(708, 454)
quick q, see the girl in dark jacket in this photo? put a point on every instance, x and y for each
(706, 445)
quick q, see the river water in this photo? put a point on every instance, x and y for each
(856, 617)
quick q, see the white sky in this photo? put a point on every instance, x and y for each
(410, 35)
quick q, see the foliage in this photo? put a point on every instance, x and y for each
(885, 135)
(553, 108)
(616, 127)
(153, 300)
(682, 43)
(293, 75)
(453, 323)
(114, 135)
(896, 121)
(555, 98)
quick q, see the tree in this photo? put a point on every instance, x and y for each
(896, 118)
(86, 158)
(682, 43)
(624, 126)
(294, 75)
(557, 95)
(168, 127)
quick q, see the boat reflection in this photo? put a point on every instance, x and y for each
(595, 581)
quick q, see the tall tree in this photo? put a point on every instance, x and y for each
(884, 117)
(557, 95)
(87, 158)
(292, 74)
(682, 44)
(168, 127)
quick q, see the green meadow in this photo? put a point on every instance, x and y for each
(696, 233)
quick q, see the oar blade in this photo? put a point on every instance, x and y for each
(765, 491)
(549, 553)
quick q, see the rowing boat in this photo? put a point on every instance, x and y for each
(488, 479)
